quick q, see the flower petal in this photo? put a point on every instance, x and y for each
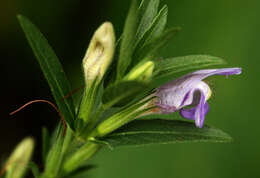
(198, 112)
(200, 75)
(224, 71)
(173, 94)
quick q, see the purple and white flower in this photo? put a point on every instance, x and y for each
(190, 90)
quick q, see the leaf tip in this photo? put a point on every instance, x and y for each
(178, 28)
(229, 138)
(165, 7)
(19, 16)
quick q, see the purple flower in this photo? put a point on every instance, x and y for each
(190, 90)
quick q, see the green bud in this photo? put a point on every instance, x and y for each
(95, 63)
(99, 53)
(142, 72)
(17, 163)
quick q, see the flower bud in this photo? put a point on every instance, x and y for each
(99, 53)
(142, 72)
(16, 165)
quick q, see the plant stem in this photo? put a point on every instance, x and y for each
(84, 153)
(87, 103)
(92, 123)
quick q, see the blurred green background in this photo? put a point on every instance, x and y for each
(225, 28)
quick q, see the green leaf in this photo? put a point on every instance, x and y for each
(45, 143)
(55, 156)
(158, 25)
(169, 68)
(148, 10)
(128, 40)
(152, 47)
(121, 93)
(158, 131)
(154, 31)
(179, 64)
(51, 68)
(67, 143)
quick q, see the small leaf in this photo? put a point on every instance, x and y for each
(51, 68)
(121, 93)
(152, 47)
(148, 10)
(45, 143)
(168, 68)
(158, 131)
(128, 40)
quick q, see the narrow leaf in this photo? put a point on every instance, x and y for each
(67, 141)
(177, 64)
(121, 93)
(156, 28)
(45, 143)
(158, 131)
(158, 24)
(148, 10)
(169, 68)
(154, 31)
(128, 39)
(152, 47)
(51, 68)
(55, 156)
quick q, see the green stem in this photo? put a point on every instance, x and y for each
(84, 153)
(119, 119)
(67, 140)
(92, 123)
(86, 104)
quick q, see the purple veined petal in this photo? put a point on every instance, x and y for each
(181, 92)
(175, 93)
(166, 108)
(200, 75)
(171, 100)
(186, 97)
(198, 112)
(224, 71)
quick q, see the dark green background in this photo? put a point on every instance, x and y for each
(225, 28)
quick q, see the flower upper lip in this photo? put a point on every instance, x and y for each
(183, 92)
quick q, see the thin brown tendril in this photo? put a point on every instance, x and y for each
(43, 101)
(73, 92)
